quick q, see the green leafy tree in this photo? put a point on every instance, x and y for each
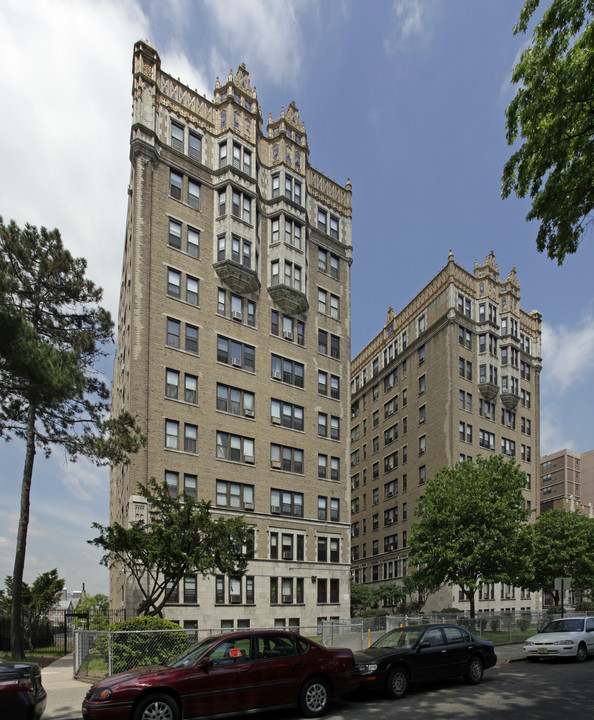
(97, 609)
(390, 595)
(52, 332)
(180, 538)
(418, 586)
(362, 597)
(559, 544)
(552, 113)
(469, 525)
(37, 601)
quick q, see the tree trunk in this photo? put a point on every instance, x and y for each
(16, 612)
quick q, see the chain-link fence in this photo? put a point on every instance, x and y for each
(98, 654)
(505, 627)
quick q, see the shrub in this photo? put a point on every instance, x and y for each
(451, 611)
(586, 606)
(523, 623)
(133, 645)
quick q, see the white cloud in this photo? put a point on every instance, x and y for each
(65, 125)
(568, 355)
(413, 21)
(265, 32)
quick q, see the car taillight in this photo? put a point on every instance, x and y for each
(16, 685)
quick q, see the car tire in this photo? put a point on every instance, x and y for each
(314, 697)
(474, 671)
(397, 683)
(157, 707)
(582, 653)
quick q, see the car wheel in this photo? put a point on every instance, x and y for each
(314, 697)
(582, 652)
(157, 707)
(397, 683)
(474, 671)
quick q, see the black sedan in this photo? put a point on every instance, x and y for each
(423, 653)
(22, 696)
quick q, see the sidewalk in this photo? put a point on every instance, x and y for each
(64, 693)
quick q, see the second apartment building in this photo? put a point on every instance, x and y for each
(455, 374)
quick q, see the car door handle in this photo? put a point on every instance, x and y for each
(298, 664)
(244, 670)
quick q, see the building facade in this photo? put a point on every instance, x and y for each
(567, 481)
(455, 374)
(234, 345)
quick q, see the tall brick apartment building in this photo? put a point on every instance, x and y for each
(234, 344)
(455, 374)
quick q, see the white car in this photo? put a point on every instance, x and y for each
(567, 637)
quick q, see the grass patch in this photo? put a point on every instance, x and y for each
(42, 658)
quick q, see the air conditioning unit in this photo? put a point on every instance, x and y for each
(287, 555)
(236, 362)
(237, 315)
(249, 459)
(287, 598)
(276, 420)
(275, 509)
(248, 506)
(275, 464)
(235, 598)
(276, 375)
(288, 335)
(248, 412)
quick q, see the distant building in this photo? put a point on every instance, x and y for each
(234, 345)
(455, 374)
(567, 481)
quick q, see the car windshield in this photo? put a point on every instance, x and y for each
(401, 638)
(192, 654)
(574, 625)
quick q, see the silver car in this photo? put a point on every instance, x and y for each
(567, 637)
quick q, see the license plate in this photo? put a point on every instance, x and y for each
(543, 651)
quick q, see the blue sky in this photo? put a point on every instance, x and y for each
(406, 98)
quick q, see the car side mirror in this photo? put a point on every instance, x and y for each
(424, 645)
(206, 664)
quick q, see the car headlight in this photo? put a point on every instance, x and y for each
(528, 642)
(564, 642)
(367, 669)
(100, 694)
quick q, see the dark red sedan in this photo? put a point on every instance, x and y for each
(229, 674)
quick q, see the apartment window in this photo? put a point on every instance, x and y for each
(286, 458)
(195, 147)
(421, 325)
(190, 437)
(171, 434)
(391, 516)
(422, 474)
(322, 220)
(193, 242)
(508, 447)
(235, 353)
(322, 507)
(391, 542)
(177, 137)
(390, 489)
(234, 400)
(190, 589)
(334, 227)
(173, 283)
(223, 154)
(286, 414)
(287, 371)
(391, 461)
(171, 384)
(286, 502)
(292, 330)
(192, 339)
(464, 305)
(422, 444)
(171, 478)
(192, 290)
(173, 333)
(422, 384)
(465, 368)
(175, 233)
(241, 206)
(328, 263)
(292, 275)
(275, 186)
(238, 496)
(222, 202)
(275, 231)
(465, 400)
(293, 233)
(190, 483)
(488, 373)
(487, 439)
(465, 432)
(464, 337)
(235, 448)
(175, 184)
(194, 194)
(422, 414)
